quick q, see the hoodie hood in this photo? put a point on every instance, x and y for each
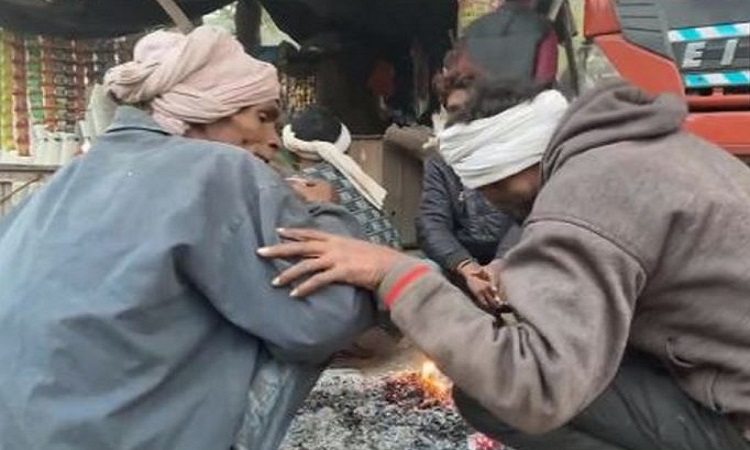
(611, 113)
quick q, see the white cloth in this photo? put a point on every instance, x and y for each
(333, 153)
(489, 150)
(310, 152)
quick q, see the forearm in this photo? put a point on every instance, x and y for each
(436, 222)
(323, 324)
(238, 282)
(500, 367)
(534, 375)
(331, 217)
(331, 319)
(440, 245)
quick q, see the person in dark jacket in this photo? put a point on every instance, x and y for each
(457, 227)
(460, 230)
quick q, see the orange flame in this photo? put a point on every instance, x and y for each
(434, 383)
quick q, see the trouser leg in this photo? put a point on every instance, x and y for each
(643, 409)
(276, 392)
(565, 438)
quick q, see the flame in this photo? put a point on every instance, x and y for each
(434, 383)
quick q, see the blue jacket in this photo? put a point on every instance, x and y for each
(134, 312)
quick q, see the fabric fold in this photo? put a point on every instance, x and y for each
(333, 153)
(492, 149)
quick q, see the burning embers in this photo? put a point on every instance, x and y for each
(434, 383)
(348, 411)
(409, 410)
(427, 389)
(424, 389)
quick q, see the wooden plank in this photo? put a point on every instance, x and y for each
(27, 168)
(402, 177)
(24, 174)
(367, 151)
(177, 15)
(400, 173)
(5, 190)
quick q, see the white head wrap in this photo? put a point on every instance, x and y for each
(489, 150)
(200, 77)
(335, 154)
(307, 150)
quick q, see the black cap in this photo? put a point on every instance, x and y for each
(504, 43)
(316, 123)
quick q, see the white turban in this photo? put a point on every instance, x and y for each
(200, 77)
(334, 153)
(489, 150)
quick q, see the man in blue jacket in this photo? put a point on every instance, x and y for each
(134, 312)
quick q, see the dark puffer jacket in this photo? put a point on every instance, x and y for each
(456, 223)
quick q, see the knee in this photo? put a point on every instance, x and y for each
(479, 418)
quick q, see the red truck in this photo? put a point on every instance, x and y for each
(699, 49)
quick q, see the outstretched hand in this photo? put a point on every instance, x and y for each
(329, 258)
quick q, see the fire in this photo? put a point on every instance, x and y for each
(434, 383)
(423, 388)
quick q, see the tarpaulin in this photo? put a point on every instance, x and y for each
(386, 19)
(92, 18)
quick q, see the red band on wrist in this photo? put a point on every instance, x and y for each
(404, 281)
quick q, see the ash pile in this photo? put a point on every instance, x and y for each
(350, 411)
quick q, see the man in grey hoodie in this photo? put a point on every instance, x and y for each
(629, 287)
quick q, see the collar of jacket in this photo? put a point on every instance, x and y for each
(131, 118)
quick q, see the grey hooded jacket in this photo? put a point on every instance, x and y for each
(639, 237)
(134, 311)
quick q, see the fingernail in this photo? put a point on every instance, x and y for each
(294, 293)
(263, 251)
(276, 281)
(280, 230)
